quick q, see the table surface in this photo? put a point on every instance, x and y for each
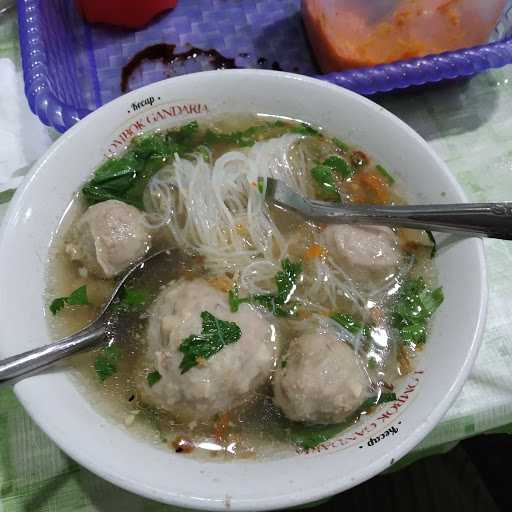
(469, 124)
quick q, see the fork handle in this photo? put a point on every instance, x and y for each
(493, 220)
(42, 357)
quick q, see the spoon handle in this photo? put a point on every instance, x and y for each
(475, 219)
(482, 219)
(39, 358)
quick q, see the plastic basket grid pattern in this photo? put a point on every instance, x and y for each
(71, 68)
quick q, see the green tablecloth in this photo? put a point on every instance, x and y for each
(469, 124)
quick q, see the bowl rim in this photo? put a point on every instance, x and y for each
(306, 495)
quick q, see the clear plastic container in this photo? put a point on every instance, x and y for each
(356, 33)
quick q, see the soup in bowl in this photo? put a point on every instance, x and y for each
(262, 360)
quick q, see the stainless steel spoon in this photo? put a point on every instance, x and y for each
(92, 334)
(493, 220)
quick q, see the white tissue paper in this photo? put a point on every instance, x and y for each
(23, 138)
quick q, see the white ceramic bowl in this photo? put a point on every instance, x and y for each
(108, 449)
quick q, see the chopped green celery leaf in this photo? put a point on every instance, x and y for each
(128, 188)
(125, 178)
(154, 144)
(104, 368)
(269, 302)
(106, 362)
(286, 279)
(153, 377)
(134, 296)
(410, 309)
(340, 144)
(186, 133)
(243, 138)
(434, 244)
(57, 305)
(413, 287)
(211, 138)
(309, 437)
(382, 399)
(348, 322)
(6, 195)
(203, 151)
(77, 298)
(413, 333)
(384, 172)
(95, 194)
(415, 305)
(113, 352)
(305, 129)
(214, 336)
(431, 300)
(324, 179)
(131, 300)
(164, 145)
(117, 167)
(235, 300)
(279, 303)
(274, 305)
(338, 164)
(134, 195)
(261, 185)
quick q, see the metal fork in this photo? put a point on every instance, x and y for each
(493, 220)
(92, 334)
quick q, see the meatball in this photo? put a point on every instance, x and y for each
(224, 380)
(322, 381)
(364, 247)
(108, 238)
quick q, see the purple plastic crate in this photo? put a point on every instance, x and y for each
(71, 68)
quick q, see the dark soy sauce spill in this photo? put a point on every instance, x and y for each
(167, 54)
(262, 61)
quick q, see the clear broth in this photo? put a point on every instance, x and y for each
(258, 427)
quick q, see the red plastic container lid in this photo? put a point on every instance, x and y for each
(123, 13)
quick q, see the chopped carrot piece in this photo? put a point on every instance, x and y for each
(314, 252)
(378, 188)
(355, 190)
(354, 33)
